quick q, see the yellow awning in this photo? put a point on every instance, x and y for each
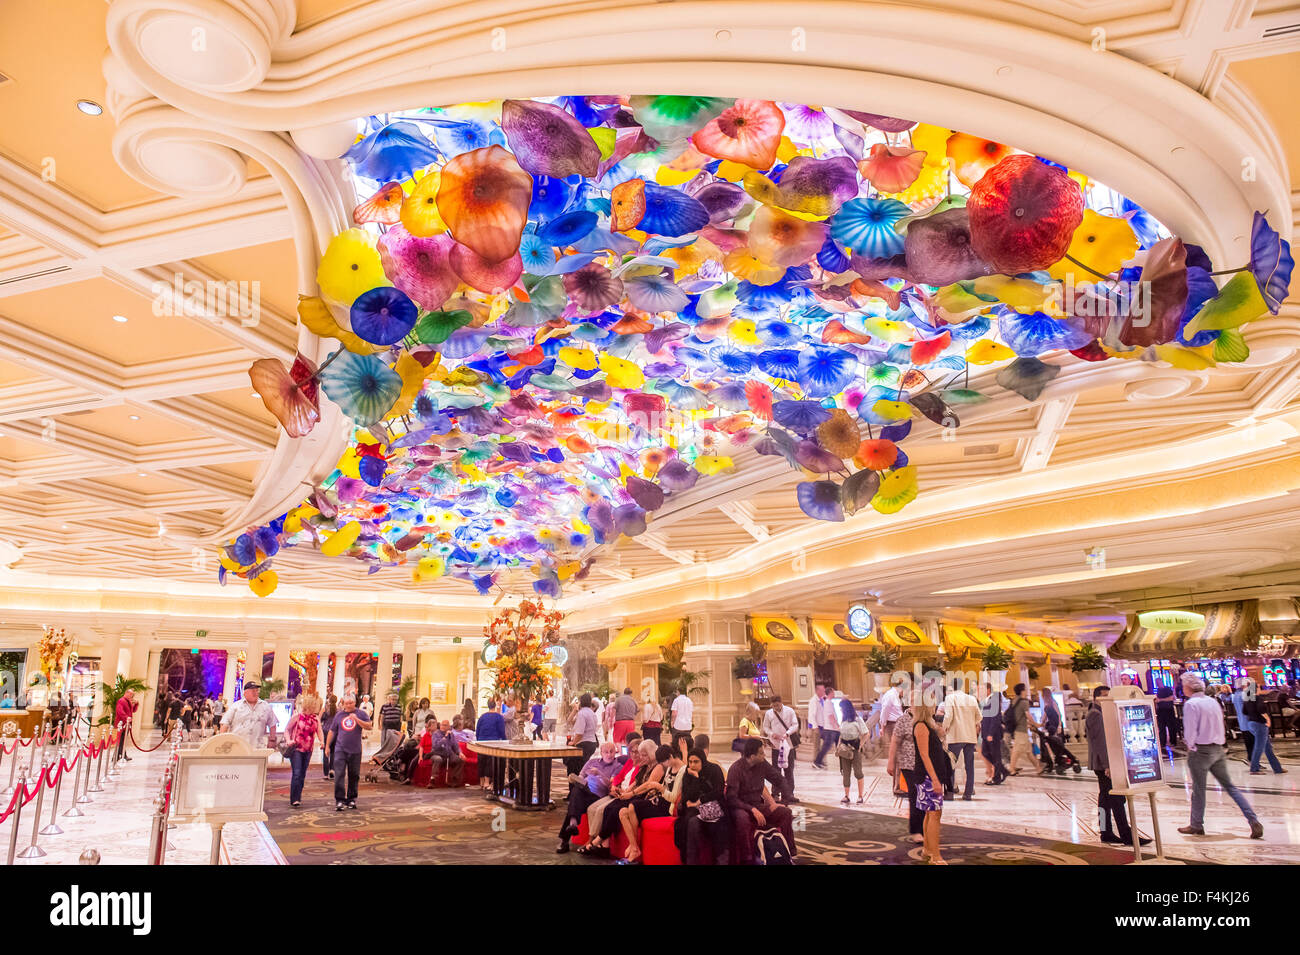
(640, 641)
(904, 633)
(1066, 647)
(963, 637)
(778, 632)
(836, 635)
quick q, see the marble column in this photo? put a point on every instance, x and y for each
(322, 673)
(280, 664)
(340, 672)
(253, 659)
(109, 656)
(232, 672)
(409, 660)
(383, 673)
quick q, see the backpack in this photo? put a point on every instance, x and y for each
(770, 848)
(1010, 718)
(304, 732)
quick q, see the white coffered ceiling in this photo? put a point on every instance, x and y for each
(126, 448)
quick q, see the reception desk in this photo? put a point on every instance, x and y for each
(22, 723)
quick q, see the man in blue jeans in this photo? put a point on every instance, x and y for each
(345, 737)
(1259, 726)
(1204, 735)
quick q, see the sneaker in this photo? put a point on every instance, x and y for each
(295, 805)
(1258, 772)
(1192, 830)
(352, 804)
(1256, 830)
(339, 807)
(844, 801)
(861, 801)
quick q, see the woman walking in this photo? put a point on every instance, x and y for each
(327, 715)
(853, 733)
(302, 731)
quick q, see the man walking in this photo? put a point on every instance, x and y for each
(1019, 720)
(781, 727)
(991, 737)
(624, 715)
(961, 723)
(830, 726)
(1109, 806)
(251, 719)
(345, 738)
(683, 720)
(891, 708)
(390, 720)
(814, 722)
(1203, 734)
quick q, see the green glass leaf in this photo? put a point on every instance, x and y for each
(1238, 302)
(434, 328)
(963, 396)
(1231, 346)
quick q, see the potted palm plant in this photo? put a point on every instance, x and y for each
(112, 692)
(1088, 665)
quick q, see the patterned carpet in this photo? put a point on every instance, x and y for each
(397, 825)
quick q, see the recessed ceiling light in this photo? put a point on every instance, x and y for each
(89, 107)
(134, 417)
(120, 319)
(256, 395)
(142, 474)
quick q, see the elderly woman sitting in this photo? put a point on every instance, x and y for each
(656, 799)
(639, 770)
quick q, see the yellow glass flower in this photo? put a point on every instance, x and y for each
(341, 540)
(708, 464)
(620, 373)
(420, 213)
(1102, 243)
(896, 491)
(986, 352)
(264, 584)
(350, 266)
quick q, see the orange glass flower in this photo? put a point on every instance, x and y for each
(892, 168)
(748, 132)
(972, 157)
(484, 197)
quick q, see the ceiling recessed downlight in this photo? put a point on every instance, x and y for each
(120, 319)
(89, 107)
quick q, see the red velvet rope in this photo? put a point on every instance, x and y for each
(131, 735)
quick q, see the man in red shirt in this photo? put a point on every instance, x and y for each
(125, 712)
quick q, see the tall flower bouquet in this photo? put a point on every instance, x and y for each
(523, 637)
(51, 648)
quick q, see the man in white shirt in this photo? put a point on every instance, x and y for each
(830, 728)
(682, 717)
(961, 724)
(891, 708)
(780, 723)
(1203, 734)
(550, 714)
(251, 719)
(366, 706)
(814, 721)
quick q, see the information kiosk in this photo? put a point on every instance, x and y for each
(1133, 743)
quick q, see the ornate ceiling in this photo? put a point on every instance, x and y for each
(128, 448)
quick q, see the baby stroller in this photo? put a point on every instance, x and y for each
(394, 757)
(1054, 746)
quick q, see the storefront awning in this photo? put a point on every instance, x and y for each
(641, 641)
(778, 632)
(1228, 627)
(961, 637)
(1062, 647)
(904, 634)
(836, 635)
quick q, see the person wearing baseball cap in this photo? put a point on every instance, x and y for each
(251, 719)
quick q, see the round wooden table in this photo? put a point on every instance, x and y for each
(521, 772)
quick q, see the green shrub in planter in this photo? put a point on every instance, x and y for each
(744, 668)
(1087, 657)
(996, 658)
(882, 660)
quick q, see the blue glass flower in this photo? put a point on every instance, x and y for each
(825, 370)
(671, 212)
(820, 500)
(866, 226)
(383, 315)
(801, 416)
(1030, 335)
(568, 228)
(362, 386)
(391, 153)
(780, 362)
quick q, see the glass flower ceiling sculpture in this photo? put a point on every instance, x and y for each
(555, 315)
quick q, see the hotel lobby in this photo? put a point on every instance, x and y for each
(403, 401)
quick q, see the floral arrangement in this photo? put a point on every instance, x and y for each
(51, 648)
(554, 316)
(523, 637)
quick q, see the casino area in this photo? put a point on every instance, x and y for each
(679, 433)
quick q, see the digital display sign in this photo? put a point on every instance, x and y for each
(1140, 741)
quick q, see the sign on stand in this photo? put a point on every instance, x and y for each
(1133, 743)
(222, 781)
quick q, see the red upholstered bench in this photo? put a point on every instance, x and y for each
(657, 846)
(420, 774)
(617, 845)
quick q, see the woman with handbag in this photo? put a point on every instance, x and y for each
(699, 812)
(853, 733)
(936, 777)
(300, 735)
(751, 725)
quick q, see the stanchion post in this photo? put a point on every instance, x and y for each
(99, 766)
(13, 765)
(112, 768)
(52, 828)
(34, 851)
(84, 798)
(18, 815)
(74, 810)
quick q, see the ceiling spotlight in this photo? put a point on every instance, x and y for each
(120, 319)
(142, 474)
(133, 417)
(89, 107)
